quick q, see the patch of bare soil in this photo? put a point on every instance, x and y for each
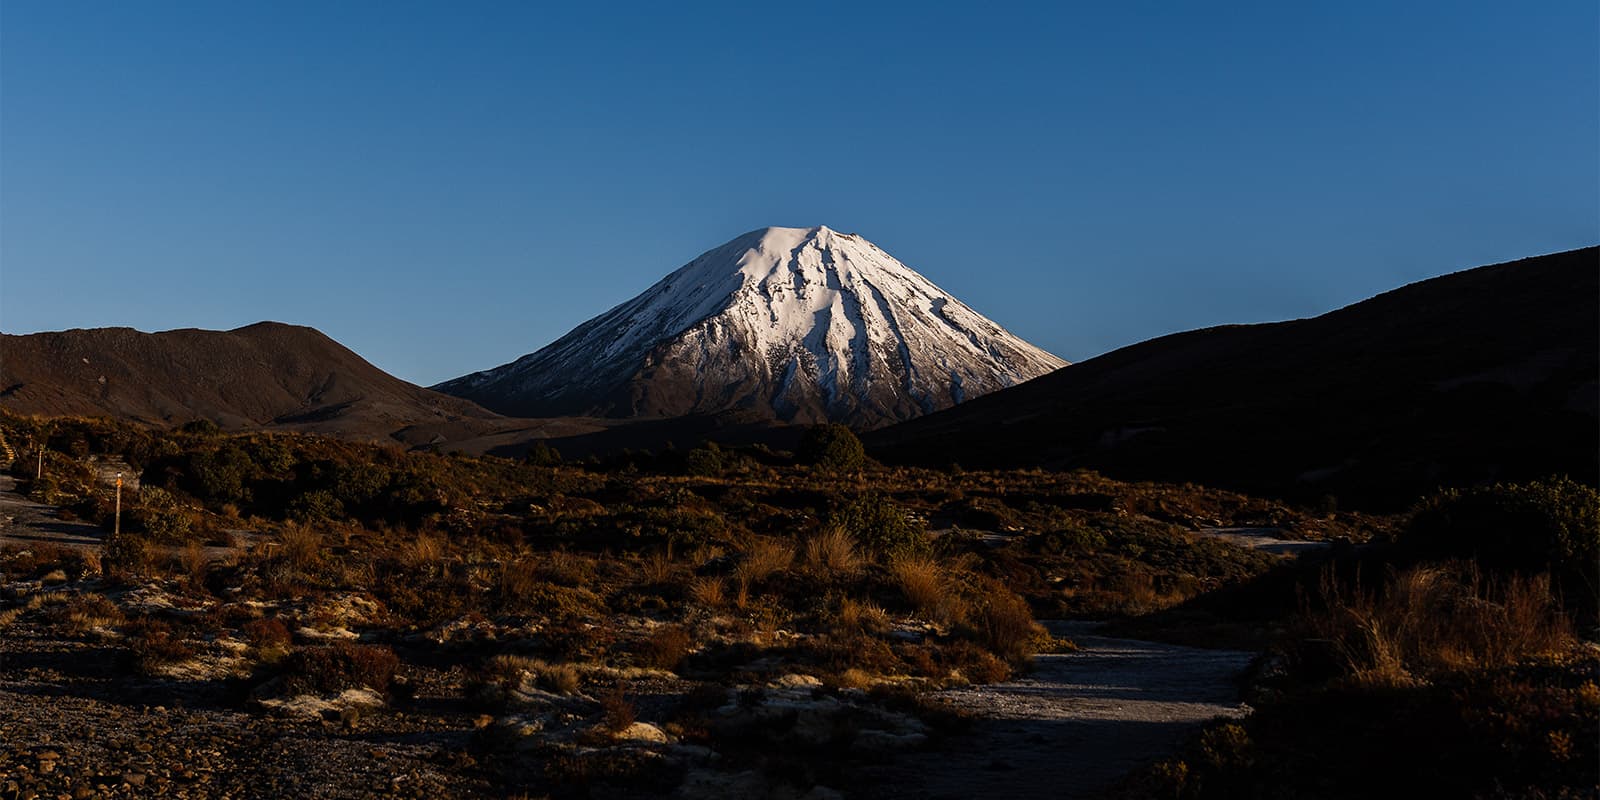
(1075, 724)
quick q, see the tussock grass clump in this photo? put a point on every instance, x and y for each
(1434, 619)
(763, 558)
(863, 616)
(1005, 623)
(300, 546)
(84, 613)
(423, 553)
(519, 579)
(659, 569)
(507, 670)
(923, 582)
(709, 592)
(832, 552)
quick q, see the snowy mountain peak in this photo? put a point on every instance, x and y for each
(807, 324)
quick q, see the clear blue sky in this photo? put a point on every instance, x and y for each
(446, 186)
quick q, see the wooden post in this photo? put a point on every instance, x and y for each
(116, 527)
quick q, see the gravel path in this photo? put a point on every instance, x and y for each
(1075, 724)
(1266, 540)
(25, 522)
(22, 521)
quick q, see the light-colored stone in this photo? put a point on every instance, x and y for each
(796, 681)
(644, 732)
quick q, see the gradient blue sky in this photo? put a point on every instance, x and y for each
(446, 186)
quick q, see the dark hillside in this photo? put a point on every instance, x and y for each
(267, 374)
(1490, 373)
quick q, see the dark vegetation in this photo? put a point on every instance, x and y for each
(706, 574)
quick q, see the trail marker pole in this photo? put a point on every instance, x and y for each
(116, 527)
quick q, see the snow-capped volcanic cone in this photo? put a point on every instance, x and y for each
(804, 324)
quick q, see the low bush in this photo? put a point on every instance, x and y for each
(333, 669)
(666, 648)
(269, 638)
(831, 447)
(880, 527)
(154, 644)
(1551, 525)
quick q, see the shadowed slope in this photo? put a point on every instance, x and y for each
(1484, 374)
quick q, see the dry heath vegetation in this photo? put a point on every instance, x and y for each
(564, 602)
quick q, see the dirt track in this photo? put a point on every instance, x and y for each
(22, 521)
(25, 522)
(1075, 724)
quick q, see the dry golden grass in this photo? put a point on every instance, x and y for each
(300, 546)
(862, 615)
(510, 668)
(568, 569)
(832, 552)
(1005, 623)
(923, 582)
(658, 569)
(194, 562)
(762, 558)
(86, 612)
(852, 678)
(708, 591)
(1435, 619)
(519, 579)
(423, 552)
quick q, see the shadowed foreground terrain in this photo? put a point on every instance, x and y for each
(290, 615)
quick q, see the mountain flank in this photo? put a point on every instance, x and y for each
(263, 375)
(1486, 374)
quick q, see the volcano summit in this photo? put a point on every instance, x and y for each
(801, 324)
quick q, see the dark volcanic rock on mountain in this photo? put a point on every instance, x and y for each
(1486, 374)
(797, 324)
